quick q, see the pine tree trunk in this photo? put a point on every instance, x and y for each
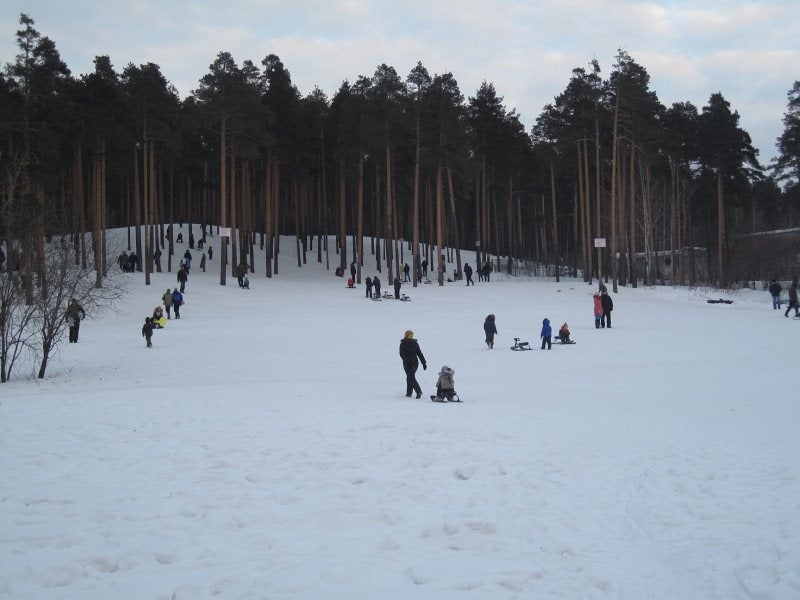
(721, 239)
(223, 196)
(614, 144)
(440, 261)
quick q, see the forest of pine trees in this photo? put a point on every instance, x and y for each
(406, 164)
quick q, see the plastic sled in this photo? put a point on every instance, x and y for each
(560, 340)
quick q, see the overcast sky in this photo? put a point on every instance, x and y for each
(749, 51)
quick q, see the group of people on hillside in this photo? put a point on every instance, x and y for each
(171, 300)
(373, 285)
(775, 290)
(412, 357)
(127, 262)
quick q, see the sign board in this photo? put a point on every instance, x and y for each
(225, 232)
(477, 243)
(599, 242)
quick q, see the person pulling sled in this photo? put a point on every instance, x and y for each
(445, 386)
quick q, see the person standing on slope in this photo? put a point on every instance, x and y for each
(547, 334)
(368, 283)
(608, 306)
(490, 329)
(598, 310)
(775, 290)
(411, 355)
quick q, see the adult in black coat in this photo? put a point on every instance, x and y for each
(376, 283)
(74, 314)
(490, 329)
(397, 285)
(412, 356)
(608, 306)
(468, 273)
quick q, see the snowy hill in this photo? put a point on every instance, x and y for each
(264, 447)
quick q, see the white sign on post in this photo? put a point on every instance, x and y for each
(225, 232)
(599, 242)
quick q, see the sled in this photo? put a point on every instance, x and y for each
(720, 301)
(559, 340)
(387, 296)
(449, 396)
(405, 298)
(160, 323)
(521, 345)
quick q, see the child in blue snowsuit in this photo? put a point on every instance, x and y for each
(547, 334)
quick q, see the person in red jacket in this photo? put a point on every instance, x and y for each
(598, 310)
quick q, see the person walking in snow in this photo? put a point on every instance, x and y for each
(133, 261)
(792, 299)
(546, 334)
(598, 310)
(412, 356)
(183, 276)
(353, 270)
(74, 314)
(406, 273)
(203, 262)
(397, 285)
(187, 261)
(490, 329)
(608, 306)
(166, 300)
(468, 273)
(177, 300)
(210, 252)
(368, 284)
(147, 331)
(376, 283)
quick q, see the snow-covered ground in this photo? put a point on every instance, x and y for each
(264, 447)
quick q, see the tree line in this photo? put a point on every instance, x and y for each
(607, 182)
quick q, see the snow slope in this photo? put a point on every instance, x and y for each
(264, 448)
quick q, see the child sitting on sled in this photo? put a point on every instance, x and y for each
(158, 319)
(563, 334)
(445, 386)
